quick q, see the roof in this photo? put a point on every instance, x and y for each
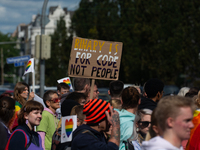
(52, 9)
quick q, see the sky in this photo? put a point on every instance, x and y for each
(15, 12)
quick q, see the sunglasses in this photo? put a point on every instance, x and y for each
(144, 124)
(96, 91)
(55, 100)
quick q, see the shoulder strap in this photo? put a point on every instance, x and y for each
(13, 134)
(88, 131)
(128, 145)
(29, 143)
(85, 131)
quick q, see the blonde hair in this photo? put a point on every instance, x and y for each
(78, 110)
(183, 91)
(169, 106)
(139, 115)
(116, 103)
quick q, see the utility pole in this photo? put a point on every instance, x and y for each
(2, 68)
(42, 60)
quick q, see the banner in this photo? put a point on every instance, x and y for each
(95, 59)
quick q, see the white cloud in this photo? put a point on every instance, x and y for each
(2, 11)
(7, 28)
(14, 12)
(35, 5)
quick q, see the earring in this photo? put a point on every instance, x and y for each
(137, 129)
(99, 124)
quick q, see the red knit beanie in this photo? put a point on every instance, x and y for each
(94, 110)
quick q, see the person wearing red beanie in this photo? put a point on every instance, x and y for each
(99, 117)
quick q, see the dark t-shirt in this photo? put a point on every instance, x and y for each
(147, 103)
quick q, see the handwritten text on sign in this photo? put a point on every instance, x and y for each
(95, 59)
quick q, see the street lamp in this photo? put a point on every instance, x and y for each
(42, 60)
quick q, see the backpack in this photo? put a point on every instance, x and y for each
(85, 131)
(128, 145)
(56, 139)
(26, 144)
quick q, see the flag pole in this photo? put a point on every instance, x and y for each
(33, 77)
(30, 67)
(33, 81)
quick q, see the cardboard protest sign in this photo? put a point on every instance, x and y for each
(95, 59)
(69, 124)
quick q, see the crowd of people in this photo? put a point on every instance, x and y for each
(129, 120)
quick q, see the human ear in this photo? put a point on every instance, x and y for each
(78, 122)
(198, 101)
(137, 125)
(170, 121)
(26, 116)
(155, 129)
(108, 92)
(158, 95)
(139, 102)
(87, 87)
(58, 92)
(145, 94)
(48, 103)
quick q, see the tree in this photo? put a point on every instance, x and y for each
(160, 38)
(166, 34)
(9, 50)
(56, 66)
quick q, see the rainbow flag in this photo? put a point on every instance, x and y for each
(29, 66)
(67, 81)
(194, 141)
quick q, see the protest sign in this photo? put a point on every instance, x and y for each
(69, 124)
(95, 59)
(39, 99)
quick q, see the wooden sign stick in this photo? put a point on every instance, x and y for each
(92, 89)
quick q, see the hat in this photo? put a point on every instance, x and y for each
(94, 110)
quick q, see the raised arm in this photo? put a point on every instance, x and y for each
(113, 119)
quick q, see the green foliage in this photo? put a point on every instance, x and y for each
(160, 38)
(56, 66)
(9, 50)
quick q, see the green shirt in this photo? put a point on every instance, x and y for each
(48, 125)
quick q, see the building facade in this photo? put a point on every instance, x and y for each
(27, 33)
